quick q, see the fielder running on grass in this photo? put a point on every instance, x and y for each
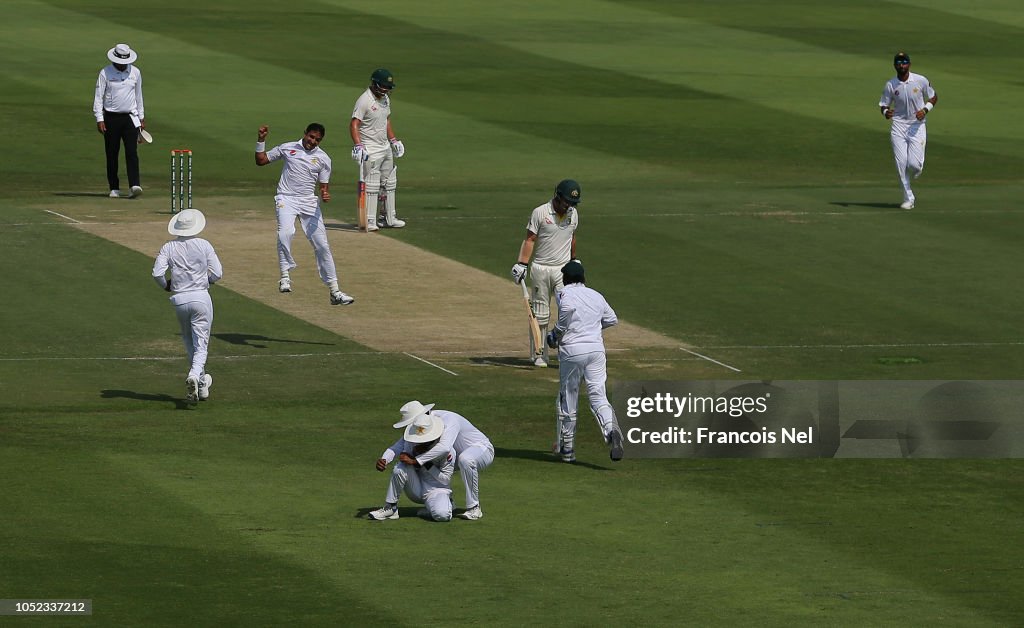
(582, 314)
(428, 483)
(193, 265)
(306, 167)
(375, 149)
(906, 100)
(550, 242)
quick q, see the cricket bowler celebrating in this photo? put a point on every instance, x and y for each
(375, 149)
(906, 100)
(306, 167)
(550, 242)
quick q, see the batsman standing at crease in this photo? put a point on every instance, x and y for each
(193, 267)
(906, 100)
(120, 114)
(306, 167)
(550, 242)
(375, 148)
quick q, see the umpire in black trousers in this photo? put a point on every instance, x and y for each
(120, 115)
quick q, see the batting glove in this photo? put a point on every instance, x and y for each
(397, 148)
(359, 154)
(519, 272)
(552, 339)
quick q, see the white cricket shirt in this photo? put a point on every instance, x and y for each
(440, 472)
(554, 235)
(193, 264)
(118, 91)
(458, 436)
(906, 98)
(303, 169)
(582, 313)
(373, 114)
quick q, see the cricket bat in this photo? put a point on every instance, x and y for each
(538, 339)
(361, 199)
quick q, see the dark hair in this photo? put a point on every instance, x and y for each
(316, 126)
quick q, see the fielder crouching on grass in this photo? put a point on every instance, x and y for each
(194, 266)
(428, 484)
(582, 314)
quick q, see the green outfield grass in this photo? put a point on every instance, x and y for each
(739, 197)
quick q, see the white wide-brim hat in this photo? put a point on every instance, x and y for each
(187, 222)
(122, 54)
(412, 411)
(424, 429)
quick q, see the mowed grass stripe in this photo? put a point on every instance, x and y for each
(713, 125)
(174, 562)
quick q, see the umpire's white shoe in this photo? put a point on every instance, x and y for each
(389, 511)
(136, 191)
(191, 389)
(907, 204)
(204, 386)
(340, 298)
(285, 285)
(472, 514)
(115, 194)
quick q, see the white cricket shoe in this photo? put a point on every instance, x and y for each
(388, 511)
(191, 389)
(472, 514)
(285, 285)
(136, 191)
(340, 298)
(397, 223)
(540, 361)
(907, 204)
(372, 227)
(115, 194)
(204, 386)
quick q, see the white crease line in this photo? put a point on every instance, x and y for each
(733, 368)
(431, 364)
(50, 211)
(906, 345)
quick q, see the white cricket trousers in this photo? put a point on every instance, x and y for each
(422, 488)
(591, 368)
(307, 210)
(194, 310)
(470, 463)
(544, 282)
(908, 144)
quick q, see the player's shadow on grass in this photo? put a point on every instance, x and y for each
(179, 403)
(537, 455)
(77, 194)
(872, 205)
(250, 340)
(403, 513)
(341, 226)
(506, 361)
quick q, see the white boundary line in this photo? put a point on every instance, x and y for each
(431, 364)
(732, 368)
